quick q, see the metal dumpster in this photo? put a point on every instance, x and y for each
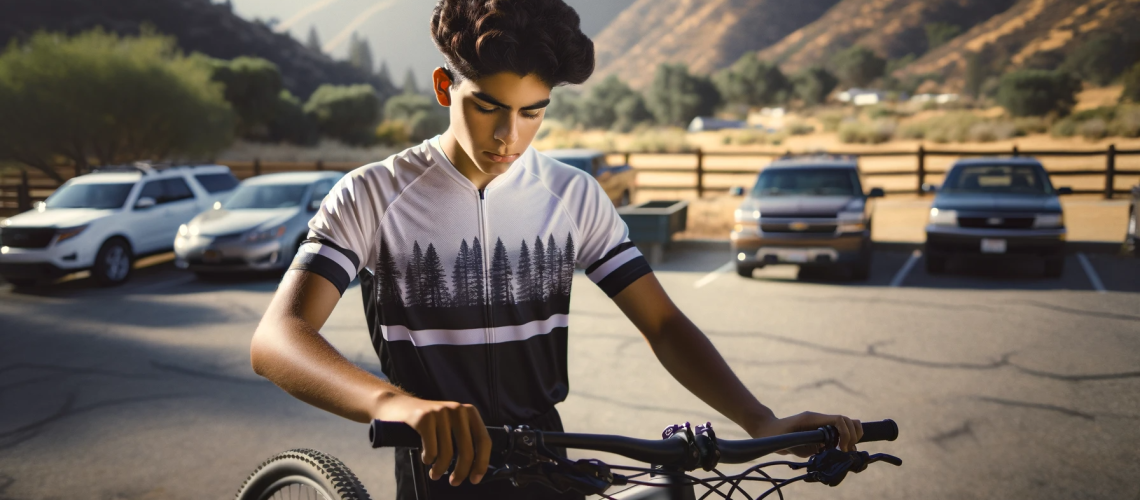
(652, 224)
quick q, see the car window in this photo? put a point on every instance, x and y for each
(321, 190)
(166, 190)
(90, 196)
(808, 181)
(1027, 179)
(266, 196)
(217, 183)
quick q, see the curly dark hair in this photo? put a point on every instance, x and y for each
(541, 37)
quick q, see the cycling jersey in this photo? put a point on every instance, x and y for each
(470, 289)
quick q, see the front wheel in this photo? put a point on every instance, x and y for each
(745, 270)
(113, 263)
(1054, 267)
(302, 474)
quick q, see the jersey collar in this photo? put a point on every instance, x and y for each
(513, 171)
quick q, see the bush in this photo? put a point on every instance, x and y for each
(1094, 129)
(858, 66)
(676, 96)
(952, 127)
(911, 131)
(751, 137)
(1030, 125)
(253, 87)
(564, 105)
(1037, 92)
(427, 124)
(631, 112)
(831, 119)
(1064, 128)
(1126, 123)
(799, 128)
(392, 133)
(1131, 85)
(346, 113)
(876, 132)
(991, 131)
(290, 123)
(752, 82)
(668, 140)
(1101, 58)
(112, 99)
(813, 85)
(599, 108)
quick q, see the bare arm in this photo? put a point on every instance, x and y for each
(690, 358)
(288, 349)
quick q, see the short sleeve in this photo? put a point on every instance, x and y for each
(341, 233)
(611, 260)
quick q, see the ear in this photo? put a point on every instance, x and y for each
(441, 84)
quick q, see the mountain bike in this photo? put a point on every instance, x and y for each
(523, 457)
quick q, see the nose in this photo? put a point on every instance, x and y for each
(507, 130)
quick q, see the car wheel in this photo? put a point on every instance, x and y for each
(22, 283)
(1054, 266)
(861, 270)
(935, 264)
(1133, 241)
(745, 270)
(113, 263)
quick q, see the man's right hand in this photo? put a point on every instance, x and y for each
(446, 428)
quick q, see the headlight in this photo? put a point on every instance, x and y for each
(851, 222)
(69, 233)
(746, 216)
(1049, 221)
(943, 217)
(265, 234)
(183, 230)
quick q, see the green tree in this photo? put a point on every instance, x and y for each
(290, 122)
(410, 83)
(360, 54)
(422, 116)
(346, 113)
(385, 76)
(631, 111)
(1131, 84)
(1102, 58)
(940, 33)
(1037, 93)
(564, 105)
(977, 69)
(599, 107)
(677, 96)
(314, 41)
(858, 66)
(253, 86)
(104, 99)
(752, 82)
(813, 85)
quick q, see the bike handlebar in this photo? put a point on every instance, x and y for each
(653, 451)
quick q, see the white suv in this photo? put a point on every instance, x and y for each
(103, 221)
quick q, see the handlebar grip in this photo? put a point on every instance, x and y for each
(886, 430)
(391, 434)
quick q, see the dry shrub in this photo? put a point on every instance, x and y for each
(876, 132)
(1030, 125)
(799, 128)
(991, 131)
(752, 137)
(1126, 123)
(1094, 129)
(670, 140)
(831, 119)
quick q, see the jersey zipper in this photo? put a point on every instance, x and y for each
(488, 301)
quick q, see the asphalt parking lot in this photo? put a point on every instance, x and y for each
(1005, 384)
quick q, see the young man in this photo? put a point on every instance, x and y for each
(471, 239)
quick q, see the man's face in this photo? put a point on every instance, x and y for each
(495, 118)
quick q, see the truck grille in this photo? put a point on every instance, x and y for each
(787, 227)
(997, 222)
(26, 237)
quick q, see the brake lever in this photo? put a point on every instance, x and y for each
(831, 466)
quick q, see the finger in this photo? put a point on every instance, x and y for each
(426, 428)
(446, 448)
(844, 432)
(462, 432)
(482, 446)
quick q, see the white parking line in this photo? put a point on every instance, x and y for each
(1093, 277)
(901, 275)
(710, 277)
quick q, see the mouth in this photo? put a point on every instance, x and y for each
(500, 158)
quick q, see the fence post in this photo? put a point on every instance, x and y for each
(1016, 153)
(627, 160)
(24, 193)
(921, 168)
(700, 173)
(320, 165)
(1110, 172)
(256, 167)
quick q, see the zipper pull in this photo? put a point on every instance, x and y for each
(481, 195)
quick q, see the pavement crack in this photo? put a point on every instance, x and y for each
(965, 430)
(818, 384)
(181, 370)
(13, 437)
(1038, 406)
(688, 414)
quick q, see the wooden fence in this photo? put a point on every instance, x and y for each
(20, 188)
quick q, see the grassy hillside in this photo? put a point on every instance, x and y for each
(198, 25)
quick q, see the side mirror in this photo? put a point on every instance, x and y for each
(736, 191)
(315, 205)
(1061, 191)
(145, 203)
(929, 188)
(876, 193)
(39, 206)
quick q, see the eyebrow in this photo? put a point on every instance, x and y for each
(491, 100)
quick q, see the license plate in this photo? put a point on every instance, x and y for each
(211, 256)
(990, 245)
(797, 256)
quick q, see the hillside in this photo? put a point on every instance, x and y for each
(1031, 30)
(198, 25)
(892, 28)
(705, 34)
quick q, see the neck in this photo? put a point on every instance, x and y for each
(463, 162)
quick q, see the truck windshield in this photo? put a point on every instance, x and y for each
(808, 181)
(267, 196)
(101, 196)
(1025, 179)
